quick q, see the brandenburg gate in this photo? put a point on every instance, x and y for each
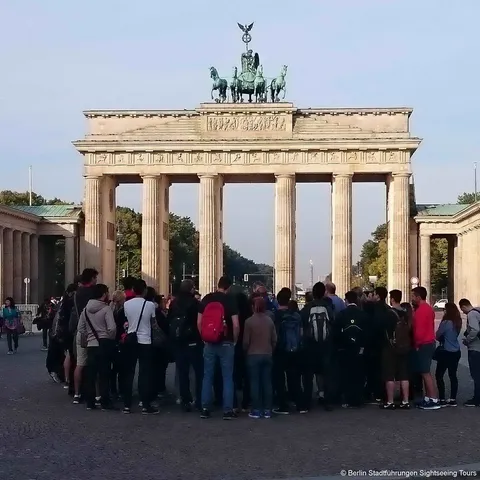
(230, 141)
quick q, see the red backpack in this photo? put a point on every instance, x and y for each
(213, 323)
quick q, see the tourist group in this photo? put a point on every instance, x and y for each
(253, 353)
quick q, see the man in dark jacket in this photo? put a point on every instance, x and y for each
(380, 314)
(187, 344)
(316, 355)
(350, 333)
(78, 355)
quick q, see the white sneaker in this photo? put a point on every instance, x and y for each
(54, 377)
(9, 352)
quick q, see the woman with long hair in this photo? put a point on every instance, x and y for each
(11, 320)
(448, 353)
(117, 377)
(160, 354)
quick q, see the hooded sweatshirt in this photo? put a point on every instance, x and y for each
(101, 317)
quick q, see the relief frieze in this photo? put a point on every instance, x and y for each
(247, 123)
(250, 157)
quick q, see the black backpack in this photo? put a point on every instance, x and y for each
(179, 329)
(318, 324)
(289, 332)
(351, 335)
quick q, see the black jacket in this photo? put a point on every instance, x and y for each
(185, 304)
(64, 313)
(383, 319)
(81, 297)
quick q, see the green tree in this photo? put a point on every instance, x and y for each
(129, 241)
(8, 197)
(439, 264)
(373, 257)
(466, 198)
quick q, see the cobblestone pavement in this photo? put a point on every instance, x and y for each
(44, 436)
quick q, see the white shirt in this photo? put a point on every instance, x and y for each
(133, 307)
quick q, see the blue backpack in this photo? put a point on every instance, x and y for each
(290, 332)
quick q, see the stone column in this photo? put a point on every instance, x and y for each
(389, 214)
(458, 268)
(219, 226)
(451, 268)
(93, 223)
(151, 233)
(34, 269)
(398, 233)
(108, 255)
(285, 207)
(425, 262)
(2, 266)
(17, 267)
(342, 232)
(8, 263)
(210, 253)
(69, 260)
(26, 267)
(164, 219)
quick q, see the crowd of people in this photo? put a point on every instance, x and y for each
(252, 353)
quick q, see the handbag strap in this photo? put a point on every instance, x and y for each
(91, 326)
(141, 315)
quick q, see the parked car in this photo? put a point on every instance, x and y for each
(440, 304)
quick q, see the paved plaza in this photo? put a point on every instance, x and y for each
(44, 436)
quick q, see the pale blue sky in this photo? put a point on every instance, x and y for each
(61, 57)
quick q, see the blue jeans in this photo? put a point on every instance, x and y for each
(260, 375)
(474, 366)
(225, 353)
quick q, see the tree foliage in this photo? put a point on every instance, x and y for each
(466, 198)
(373, 257)
(8, 197)
(183, 244)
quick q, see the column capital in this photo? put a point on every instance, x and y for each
(207, 175)
(149, 175)
(401, 174)
(342, 175)
(425, 235)
(92, 177)
(285, 175)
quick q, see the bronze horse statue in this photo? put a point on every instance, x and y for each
(219, 84)
(278, 84)
(235, 86)
(260, 86)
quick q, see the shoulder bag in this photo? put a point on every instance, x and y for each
(131, 338)
(84, 338)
